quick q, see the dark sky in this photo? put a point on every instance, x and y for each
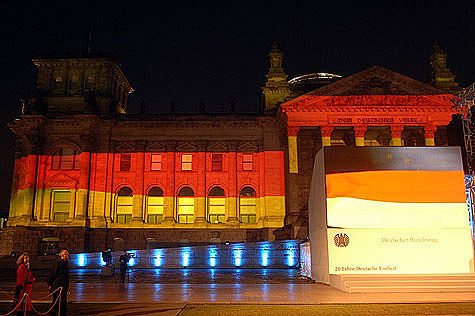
(216, 52)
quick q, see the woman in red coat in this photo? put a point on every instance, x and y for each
(24, 283)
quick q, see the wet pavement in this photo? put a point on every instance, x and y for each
(179, 276)
(223, 286)
(148, 293)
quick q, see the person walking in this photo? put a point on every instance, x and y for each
(59, 277)
(24, 284)
(123, 259)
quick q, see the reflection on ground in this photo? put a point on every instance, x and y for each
(180, 276)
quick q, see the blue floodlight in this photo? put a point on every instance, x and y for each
(81, 260)
(186, 258)
(157, 260)
(213, 254)
(132, 261)
(237, 256)
(290, 258)
(265, 258)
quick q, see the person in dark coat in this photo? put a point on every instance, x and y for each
(59, 277)
(123, 259)
(24, 284)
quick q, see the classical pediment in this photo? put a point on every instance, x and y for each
(155, 147)
(248, 147)
(217, 147)
(376, 81)
(186, 147)
(125, 148)
(61, 180)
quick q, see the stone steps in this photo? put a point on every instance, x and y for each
(366, 283)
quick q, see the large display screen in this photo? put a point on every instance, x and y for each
(397, 210)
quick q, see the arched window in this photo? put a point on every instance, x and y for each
(155, 206)
(248, 205)
(65, 159)
(125, 200)
(216, 205)
(186, 206)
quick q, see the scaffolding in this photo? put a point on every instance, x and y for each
(464, 101)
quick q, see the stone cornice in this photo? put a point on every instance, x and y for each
(27, 124)
(187, 146)
(187, 124)
(86, 64)
(383, 108)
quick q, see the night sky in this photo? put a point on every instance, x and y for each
(216, 52)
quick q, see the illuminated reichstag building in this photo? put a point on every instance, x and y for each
(88, 175)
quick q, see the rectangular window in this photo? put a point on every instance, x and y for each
(217, 162)
(124, 218)
(154, 209)
(186, 161)
(248, 219)
(125, 162)
(61, 202)
(154, 218)
(216, 218)
(216, 209)
(247, 162)
(186, 218)
(186, 210)
(156, 162)
(124, 209)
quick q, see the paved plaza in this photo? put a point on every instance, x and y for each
(235, 294)
(258, 292)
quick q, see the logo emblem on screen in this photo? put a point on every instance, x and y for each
(341, 240)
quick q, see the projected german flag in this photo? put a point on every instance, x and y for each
(395, 188)
(396, 210)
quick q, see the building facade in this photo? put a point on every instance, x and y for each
(89, 176)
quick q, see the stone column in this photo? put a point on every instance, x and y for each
(83, 190)
(137, 211)
(292, 132)
(359, 135)
(429, 134)
(396, 131)
(200, 195)
(233, 194)
(326, 132)
(28, 210)
(42, 212)
(169, 200)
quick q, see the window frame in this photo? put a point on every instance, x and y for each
(248, 218)
(247, 162)
(58, 161)
(189, 218)
(127, 217)
(65, 215)
(217, 160)
(185, 162)
(158, 217)
(123, 163)
(217, 193)
(156, 165)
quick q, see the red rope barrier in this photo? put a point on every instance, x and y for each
(57, 299)
(16, 307)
